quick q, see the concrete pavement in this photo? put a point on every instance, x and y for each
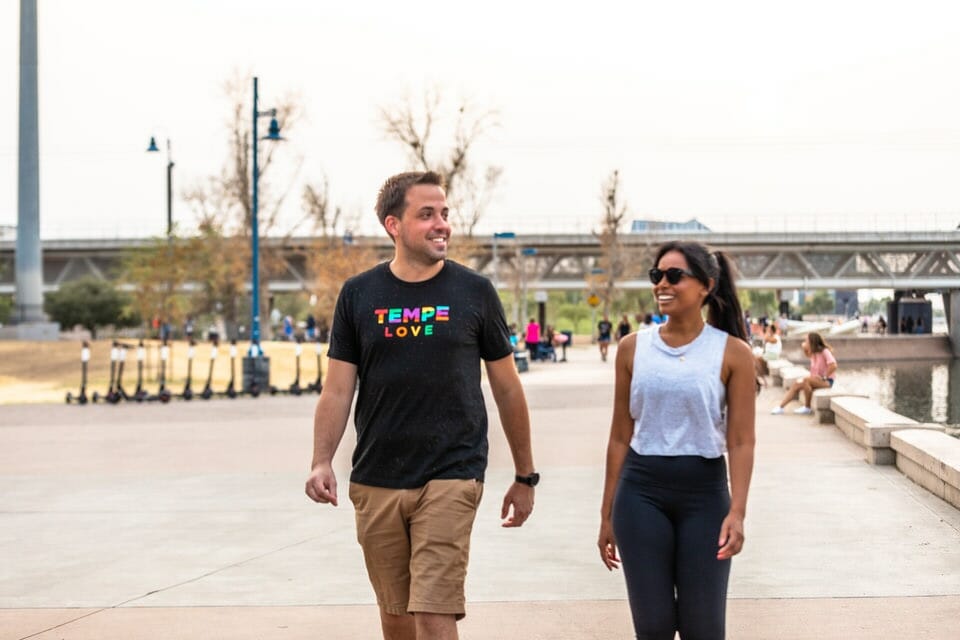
(189, 521)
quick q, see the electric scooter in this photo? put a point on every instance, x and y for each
(187, 391)
(207, 392)
(84, 359)
(118, 392)
(163, 394)
(317, 385)
(114, 356)
(294, 389)
(140, 394)
(231, 391)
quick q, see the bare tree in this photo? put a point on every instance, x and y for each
(223, 202)
(469, 188)
(158, 272)
(332, 256)
(613, 262)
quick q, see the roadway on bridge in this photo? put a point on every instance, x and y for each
(189, 521)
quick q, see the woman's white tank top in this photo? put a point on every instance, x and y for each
(677, 400)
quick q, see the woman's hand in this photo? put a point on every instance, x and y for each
(731, 536)
(608, 545)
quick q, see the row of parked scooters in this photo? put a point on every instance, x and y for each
(118, 356)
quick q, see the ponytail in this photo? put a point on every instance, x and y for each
(724, 310)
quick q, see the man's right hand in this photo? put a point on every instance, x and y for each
(322, 485)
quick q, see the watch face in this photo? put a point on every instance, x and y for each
(530, 480)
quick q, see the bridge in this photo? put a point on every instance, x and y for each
(921, 261)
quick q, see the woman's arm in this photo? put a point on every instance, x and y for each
(621, 431)
(741, 438)
(831, 362)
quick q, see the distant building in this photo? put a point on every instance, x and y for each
(643, 226)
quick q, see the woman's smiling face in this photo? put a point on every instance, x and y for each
(688, 293)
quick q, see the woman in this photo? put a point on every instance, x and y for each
(684, 394)
(624, 328)
(823, 367)
(532, 338)
(772, 348)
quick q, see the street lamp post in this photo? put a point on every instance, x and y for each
(502, 235)
(154, 149)
(272, 134)
(256, 368)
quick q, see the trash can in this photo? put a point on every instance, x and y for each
(521, 360)
(256, 370)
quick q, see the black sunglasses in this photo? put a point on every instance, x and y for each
(674, 275)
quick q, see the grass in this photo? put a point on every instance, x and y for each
(43, 372)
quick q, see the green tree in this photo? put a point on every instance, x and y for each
(874, 306)
(90, 303)
(759, 302)
(819, 303)
(6, 308)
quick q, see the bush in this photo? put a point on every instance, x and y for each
(6, 309)
(90, 303)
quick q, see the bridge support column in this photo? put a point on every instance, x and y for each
(951, 306)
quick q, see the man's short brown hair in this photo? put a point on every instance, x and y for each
(392, 199)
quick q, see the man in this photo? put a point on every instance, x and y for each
(414, 331)
(604, 327)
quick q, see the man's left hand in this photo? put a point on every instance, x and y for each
(517, 505)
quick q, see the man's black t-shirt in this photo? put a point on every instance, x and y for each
(420, 413)
(603, 328)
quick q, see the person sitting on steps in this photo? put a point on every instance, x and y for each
(823, 367)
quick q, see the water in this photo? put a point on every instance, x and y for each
(925, 391)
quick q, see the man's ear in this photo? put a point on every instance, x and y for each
(390, 224)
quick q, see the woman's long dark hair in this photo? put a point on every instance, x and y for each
(817, 343)
(724, 311)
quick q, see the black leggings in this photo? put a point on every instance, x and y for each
(667, 515)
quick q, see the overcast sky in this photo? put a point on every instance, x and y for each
(744, 114)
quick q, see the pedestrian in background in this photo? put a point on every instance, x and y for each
(624, 328)
(604, 329)
(532, 338)
(823, 369)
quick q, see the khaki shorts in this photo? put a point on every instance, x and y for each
(416, 543)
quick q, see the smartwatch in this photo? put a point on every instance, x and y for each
(530, 480)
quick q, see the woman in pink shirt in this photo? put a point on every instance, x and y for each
(532, 338)
(823, 366)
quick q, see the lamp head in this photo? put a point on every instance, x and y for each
(273, 133)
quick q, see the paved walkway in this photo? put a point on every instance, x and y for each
(189, 521)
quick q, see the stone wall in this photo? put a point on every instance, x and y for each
(873, 348)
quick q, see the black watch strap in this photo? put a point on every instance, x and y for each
(530, 480)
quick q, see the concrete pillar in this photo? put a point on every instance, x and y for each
(28, 262)
(951, 306)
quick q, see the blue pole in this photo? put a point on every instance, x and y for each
(255, 241)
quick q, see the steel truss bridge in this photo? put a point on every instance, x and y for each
(921, 261)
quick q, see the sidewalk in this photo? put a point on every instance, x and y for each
(189, 521)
